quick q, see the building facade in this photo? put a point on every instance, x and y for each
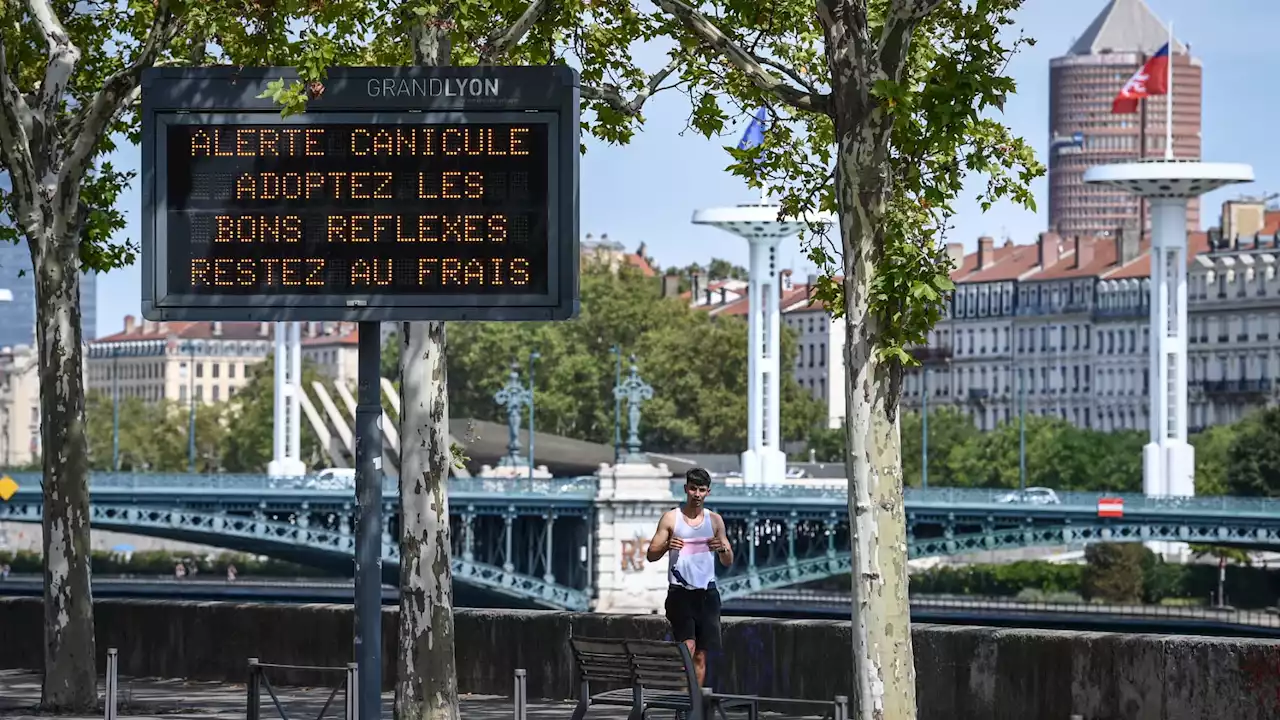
(19, 406)
(1083, 131)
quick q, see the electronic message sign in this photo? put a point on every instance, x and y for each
(400, 194)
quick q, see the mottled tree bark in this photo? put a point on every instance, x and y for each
(70, 677)
(427, 680)
(883, 663)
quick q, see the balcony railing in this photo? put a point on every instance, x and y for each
(931, 354)
(1234, 387)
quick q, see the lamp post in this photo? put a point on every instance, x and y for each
(616, 350)
(924, 433)
(513, 396)
(533, 355)
(115, 408)
(1022, 431)
(635, 391)
(191, 432)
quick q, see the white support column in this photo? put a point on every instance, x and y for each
(751, 471)
(279, 434)
(773, 462)
(295, 389)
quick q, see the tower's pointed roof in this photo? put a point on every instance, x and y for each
(1124, 26)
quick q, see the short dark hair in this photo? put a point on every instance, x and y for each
(698, 476)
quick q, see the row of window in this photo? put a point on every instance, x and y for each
(1045, 339)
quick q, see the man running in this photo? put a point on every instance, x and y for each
(695, 536)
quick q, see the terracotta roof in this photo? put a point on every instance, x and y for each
(1010, 262)
(1197, 243)
(638, 262)
(347, 339)
(1270, 222)
(189, 331)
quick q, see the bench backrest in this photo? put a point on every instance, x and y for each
(662, 665)
(602, 659)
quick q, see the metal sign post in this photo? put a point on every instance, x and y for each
(399, 195)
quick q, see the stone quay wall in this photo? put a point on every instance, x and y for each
(963, 673)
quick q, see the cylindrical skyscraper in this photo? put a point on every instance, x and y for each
(1083, 132)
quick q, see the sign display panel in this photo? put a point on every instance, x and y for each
(358, 208)
(371, 205)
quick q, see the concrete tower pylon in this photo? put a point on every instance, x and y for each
(1168, 461)
(764, 460)
(286, 460)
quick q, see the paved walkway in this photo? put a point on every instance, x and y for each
(143, 698)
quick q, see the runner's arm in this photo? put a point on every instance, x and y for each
(661, 538)
(720, 539)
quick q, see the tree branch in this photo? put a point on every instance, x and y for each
(15, 139)
(500, 41)
(117, 92)
(789, 72)
(61, 63)
(915, 10)
(610, 94)
(698, 24)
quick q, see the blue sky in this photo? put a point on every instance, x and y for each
(647, 191)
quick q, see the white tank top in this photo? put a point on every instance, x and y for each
(694, 566)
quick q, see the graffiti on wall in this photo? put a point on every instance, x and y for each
(632, 553)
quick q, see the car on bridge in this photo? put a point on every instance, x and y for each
(1031, 496)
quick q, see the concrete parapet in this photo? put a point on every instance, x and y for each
(963, 673)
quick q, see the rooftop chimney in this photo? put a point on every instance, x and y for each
(129, 323)
(955, 251)
(698, 291)
(986, 251)
(1084, 251)
(812, 281)
(787, 284)
(1048, 247)
(264, 329)
(670, 285)
(640, 250)
(216, 329)
(1127, 248)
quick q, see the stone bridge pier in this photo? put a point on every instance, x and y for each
(631, 498)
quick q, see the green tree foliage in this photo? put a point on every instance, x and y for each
(1114, 572)
(696, 364)
(1253, 463)
(249, 418)
(231, 436)
(949, 429)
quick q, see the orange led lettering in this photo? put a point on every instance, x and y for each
(312, 141)
(497, 228)
(267, 140)
(473, 270)
(315, 266)
(406, 139)
(520, 271)
(383, 143)
(451, 134)
(337, 229)
(357, 228)
(383, 189)
(426, 268)
(497, 271)
(314, 182)
(371, 272)
(357, 146)
(519, 136)
(244, 140)
(201, 141)
(199, 272)
(449, 270)
(246, 188)
(291, 138)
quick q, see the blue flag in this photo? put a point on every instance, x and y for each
(754, 134)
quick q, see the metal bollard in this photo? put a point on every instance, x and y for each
(842, 707)
(109, 705)
(253, 708)
(352, 692)
(519, 699)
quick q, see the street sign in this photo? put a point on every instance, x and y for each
(1111, 507)
(8, 488)
(400, 194)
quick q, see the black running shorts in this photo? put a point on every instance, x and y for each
(695, 615)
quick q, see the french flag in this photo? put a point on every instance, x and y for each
(1151, 79)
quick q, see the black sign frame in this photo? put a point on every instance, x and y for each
(545, 94)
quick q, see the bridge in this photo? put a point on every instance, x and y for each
(566, 543)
